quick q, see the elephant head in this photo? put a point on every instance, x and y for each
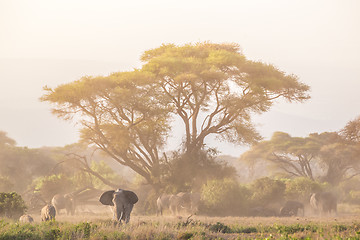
(122, 202)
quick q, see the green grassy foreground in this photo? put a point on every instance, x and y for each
(205, 228)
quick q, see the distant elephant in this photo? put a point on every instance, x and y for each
(323, 203)
(183, 201)
(162, 203)
(26, 219)
(189, 201)
(175, 204)
(291, 208)
(48, 213)
(122, 201)
(66, 201)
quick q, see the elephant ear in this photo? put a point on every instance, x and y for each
(131, 196)
(107, 197)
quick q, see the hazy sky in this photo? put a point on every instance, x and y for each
(48, 42)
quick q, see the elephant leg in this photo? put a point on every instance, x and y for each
(127, 212)
(114, 213)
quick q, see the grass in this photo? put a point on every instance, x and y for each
(163, 228)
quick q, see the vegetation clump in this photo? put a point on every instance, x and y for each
(11, 205)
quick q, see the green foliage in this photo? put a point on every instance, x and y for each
(224, 197)
(349, 191)
(219, 227)
(301, 188)
(82, 179)
(48, 186)
(154, 230)
(11, 205)
(266, 191)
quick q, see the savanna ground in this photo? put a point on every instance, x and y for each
(100, 226)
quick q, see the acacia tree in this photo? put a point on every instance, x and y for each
(293, 155)
(351, 131)
(122, 114)
(300, 157)
(214, 89)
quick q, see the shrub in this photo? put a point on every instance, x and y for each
(266, 191)
(11, 205)
(301, 188)
(224, 197)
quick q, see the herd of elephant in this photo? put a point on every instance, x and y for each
(324, 203)
(122, 203)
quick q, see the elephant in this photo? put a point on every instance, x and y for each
(189, 201)
(26, 219)
(66, 201)
(291, 208)
(122, 201)
(48, 213)
(176, 203)
(163, 202)
(323, 203)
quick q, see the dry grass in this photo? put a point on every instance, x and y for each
(100, 226)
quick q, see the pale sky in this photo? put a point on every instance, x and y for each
(50, 42)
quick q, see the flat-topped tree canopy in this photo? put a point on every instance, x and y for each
(215, 89)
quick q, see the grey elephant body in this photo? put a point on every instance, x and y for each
(291, 208)
(323, 203)
(189, 201)
(163, 202)
(122, 202)
(66, 201)
(26, 219)
(176, 203)
(48, 213)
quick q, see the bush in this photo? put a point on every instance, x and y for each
(301, 188)
(224, 197)
(266, 191)
(11, 205)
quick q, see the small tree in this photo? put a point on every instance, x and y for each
(266, 191)
(224, 197)
(301, 188)
(11, 205)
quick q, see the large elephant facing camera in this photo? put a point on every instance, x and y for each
(323, 203)
(122, 201)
